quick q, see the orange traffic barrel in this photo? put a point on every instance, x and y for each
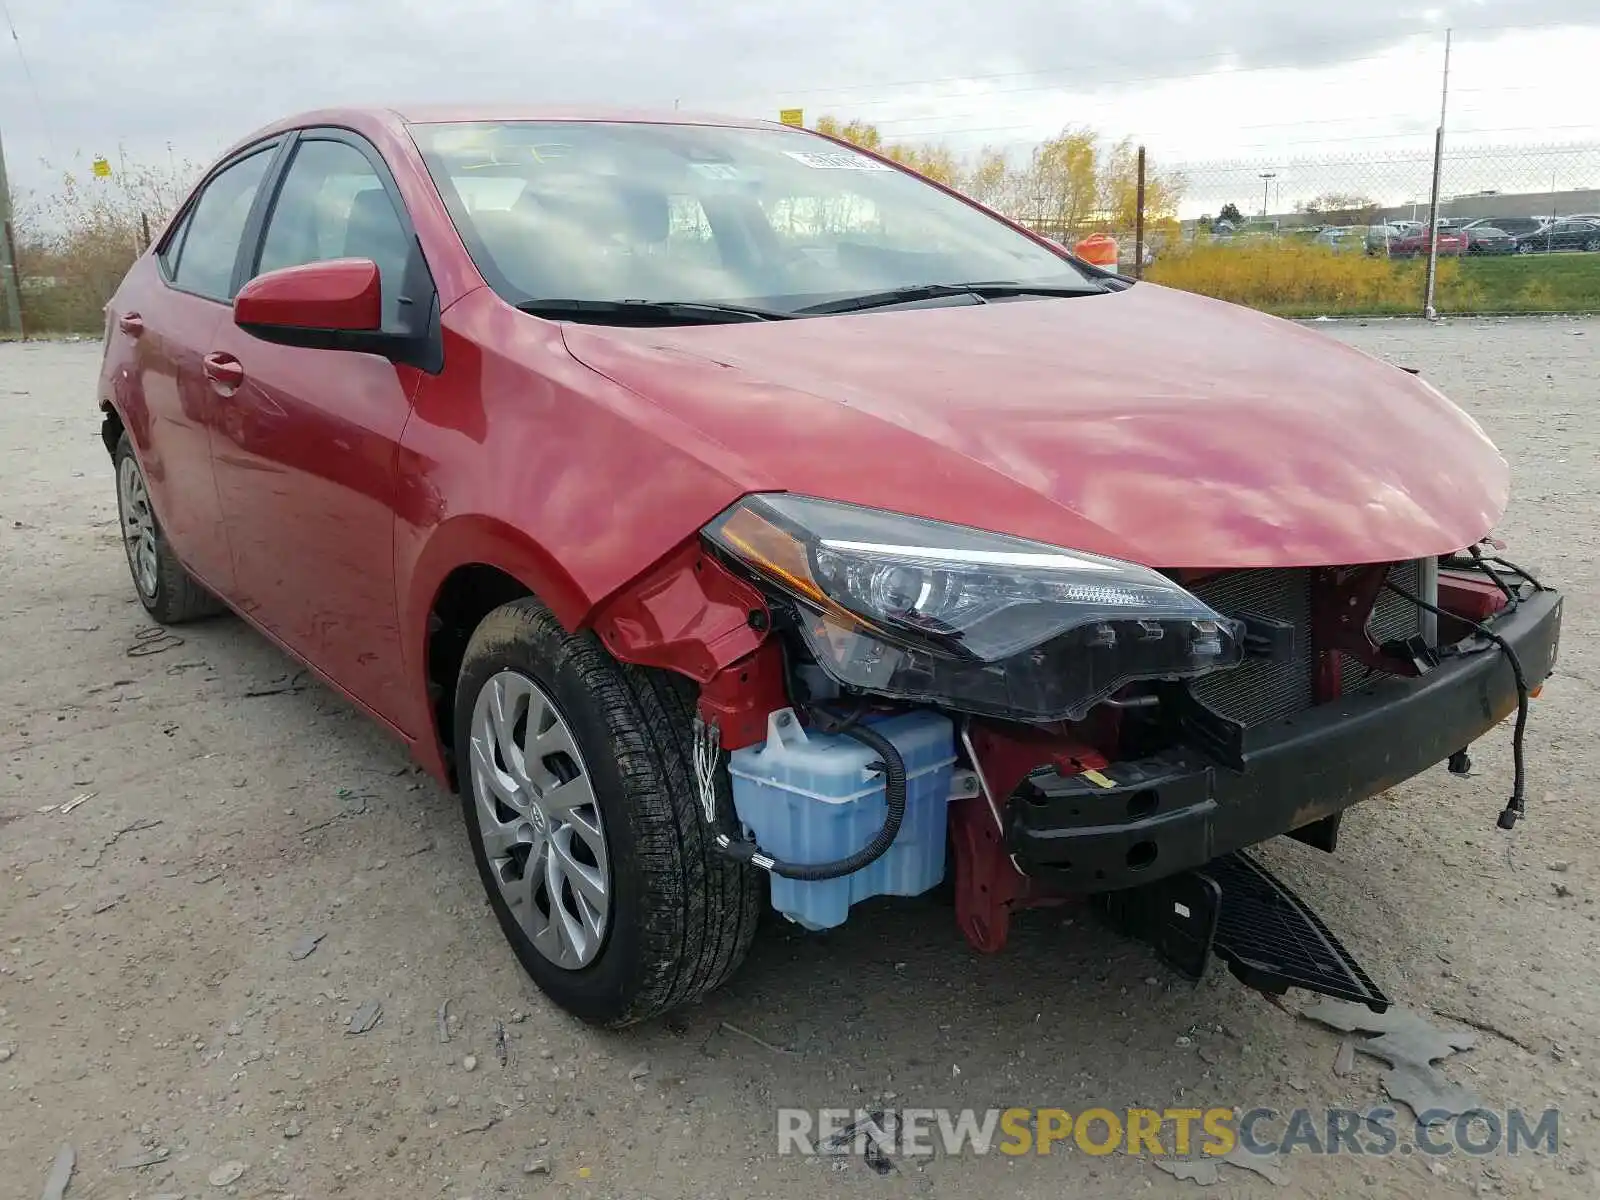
(1099, 249)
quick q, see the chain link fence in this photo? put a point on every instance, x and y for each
(1519, 230)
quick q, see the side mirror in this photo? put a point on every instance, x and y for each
(344, 294)
(331, 305)
(336, 304)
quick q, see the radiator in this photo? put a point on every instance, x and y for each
(1258, 691)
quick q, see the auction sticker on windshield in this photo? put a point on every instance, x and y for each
(838, 161)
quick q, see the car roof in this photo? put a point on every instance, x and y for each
(373, 120)
(396, 117)
(436, 114)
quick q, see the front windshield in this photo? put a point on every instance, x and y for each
(770, 218)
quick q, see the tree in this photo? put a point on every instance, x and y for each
(935, 161)
(855, 131)
(1072, 184)
(1060, 185)
(1230, 213)
(991, 181)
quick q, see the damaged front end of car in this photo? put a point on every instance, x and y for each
(881, 695)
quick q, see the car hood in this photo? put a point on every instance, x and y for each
(1149, 424)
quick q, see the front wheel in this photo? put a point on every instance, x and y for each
(580, 804)
(168, 592)
(1592, 245)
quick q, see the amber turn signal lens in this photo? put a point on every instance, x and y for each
(772, 550)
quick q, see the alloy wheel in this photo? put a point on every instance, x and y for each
(542, 832)
(138, 527)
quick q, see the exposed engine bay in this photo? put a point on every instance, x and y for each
(893, 699)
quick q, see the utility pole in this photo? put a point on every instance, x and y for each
(1138, 223)
(1266, 184)
(9, 282)
(1428, 309)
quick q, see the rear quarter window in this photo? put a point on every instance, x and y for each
(168, 255)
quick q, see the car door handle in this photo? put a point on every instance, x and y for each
(131, 324)
(225, 372)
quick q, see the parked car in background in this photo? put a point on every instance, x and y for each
(1385, 233)
(1568, 233)
(1512, 225)
(1416, 242)
(1488, 239)
(1339, 237)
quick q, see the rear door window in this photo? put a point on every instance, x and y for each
(210, 239)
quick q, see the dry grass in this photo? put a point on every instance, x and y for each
(1294, 279)
(75, 243)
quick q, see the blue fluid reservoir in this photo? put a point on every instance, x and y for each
(808, 797)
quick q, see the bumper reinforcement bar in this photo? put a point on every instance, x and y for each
(1135, 822)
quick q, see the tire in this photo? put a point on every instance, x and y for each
(1524, 247)
(679, 918)
(168, 592)
(1592, 245)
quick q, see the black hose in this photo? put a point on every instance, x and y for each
(1516, 805)
(893, 769)
(1483, 565)
(1511, 566)
(1476, 560)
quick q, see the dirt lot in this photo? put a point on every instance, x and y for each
(149, 1002)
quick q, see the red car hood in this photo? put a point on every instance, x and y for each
(1149, 424)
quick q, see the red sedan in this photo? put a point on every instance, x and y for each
(1415, 244)
(733, 516)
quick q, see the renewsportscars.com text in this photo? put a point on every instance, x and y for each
(1183, 1132)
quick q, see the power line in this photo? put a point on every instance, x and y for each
(1224, 55)
(1075, 69)
(1421, 157)
(27, 73)
(1364, 118)
(1302, 86)
(1271, 145)
(1112, 84)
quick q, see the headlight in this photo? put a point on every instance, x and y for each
(975, 621)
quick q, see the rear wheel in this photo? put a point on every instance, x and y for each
(168, 592)
(580, 805)
(1592, 244)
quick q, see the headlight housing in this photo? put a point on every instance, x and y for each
(975, 621)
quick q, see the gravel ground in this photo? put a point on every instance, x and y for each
(149, 1001)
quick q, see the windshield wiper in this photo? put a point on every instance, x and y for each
(646, 311)
(932, 291)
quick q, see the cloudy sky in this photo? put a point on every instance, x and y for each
(1262, 80)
